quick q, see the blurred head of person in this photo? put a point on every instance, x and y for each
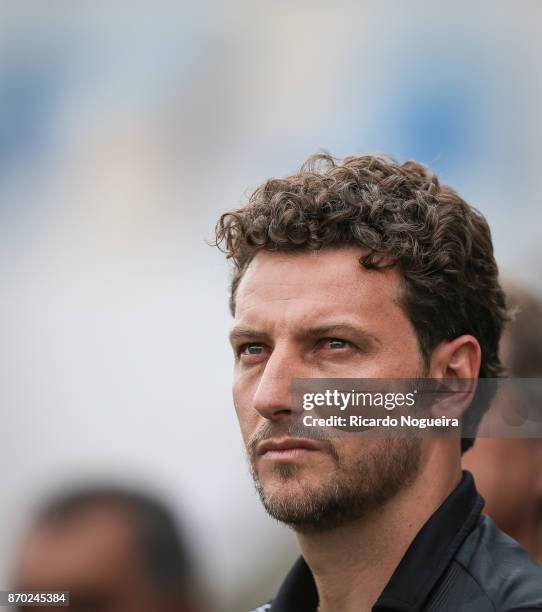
(508, 471)
(113, 549)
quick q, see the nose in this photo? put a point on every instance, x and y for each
(273, 396)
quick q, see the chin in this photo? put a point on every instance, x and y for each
(286, 482)
(285, 475)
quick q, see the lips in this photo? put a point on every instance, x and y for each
(287, 444)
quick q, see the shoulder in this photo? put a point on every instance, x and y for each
(500, 569)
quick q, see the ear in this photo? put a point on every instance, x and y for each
(458, 358)
(456, 364)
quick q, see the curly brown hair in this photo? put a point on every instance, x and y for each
(400, 215)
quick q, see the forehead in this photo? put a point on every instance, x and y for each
(93, 544)
(299, 287)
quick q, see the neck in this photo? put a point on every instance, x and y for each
(353, 563)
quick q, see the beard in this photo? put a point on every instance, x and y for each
(349, 491)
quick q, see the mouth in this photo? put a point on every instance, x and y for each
(287, 449)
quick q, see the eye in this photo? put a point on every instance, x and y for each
(252, 348)
(336, 343)
(253, 352)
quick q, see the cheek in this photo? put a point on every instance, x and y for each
(242, 401)
(402, 357)
(240, 393)
(394, 363)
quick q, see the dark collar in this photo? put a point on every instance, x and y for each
(427, 557)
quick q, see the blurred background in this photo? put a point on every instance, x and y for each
(126, 128)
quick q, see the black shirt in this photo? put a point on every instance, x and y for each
(458, 561)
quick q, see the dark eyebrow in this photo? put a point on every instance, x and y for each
(245, 333)
(333, 329)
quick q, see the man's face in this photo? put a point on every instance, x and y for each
(319, 315)
(95, 556)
